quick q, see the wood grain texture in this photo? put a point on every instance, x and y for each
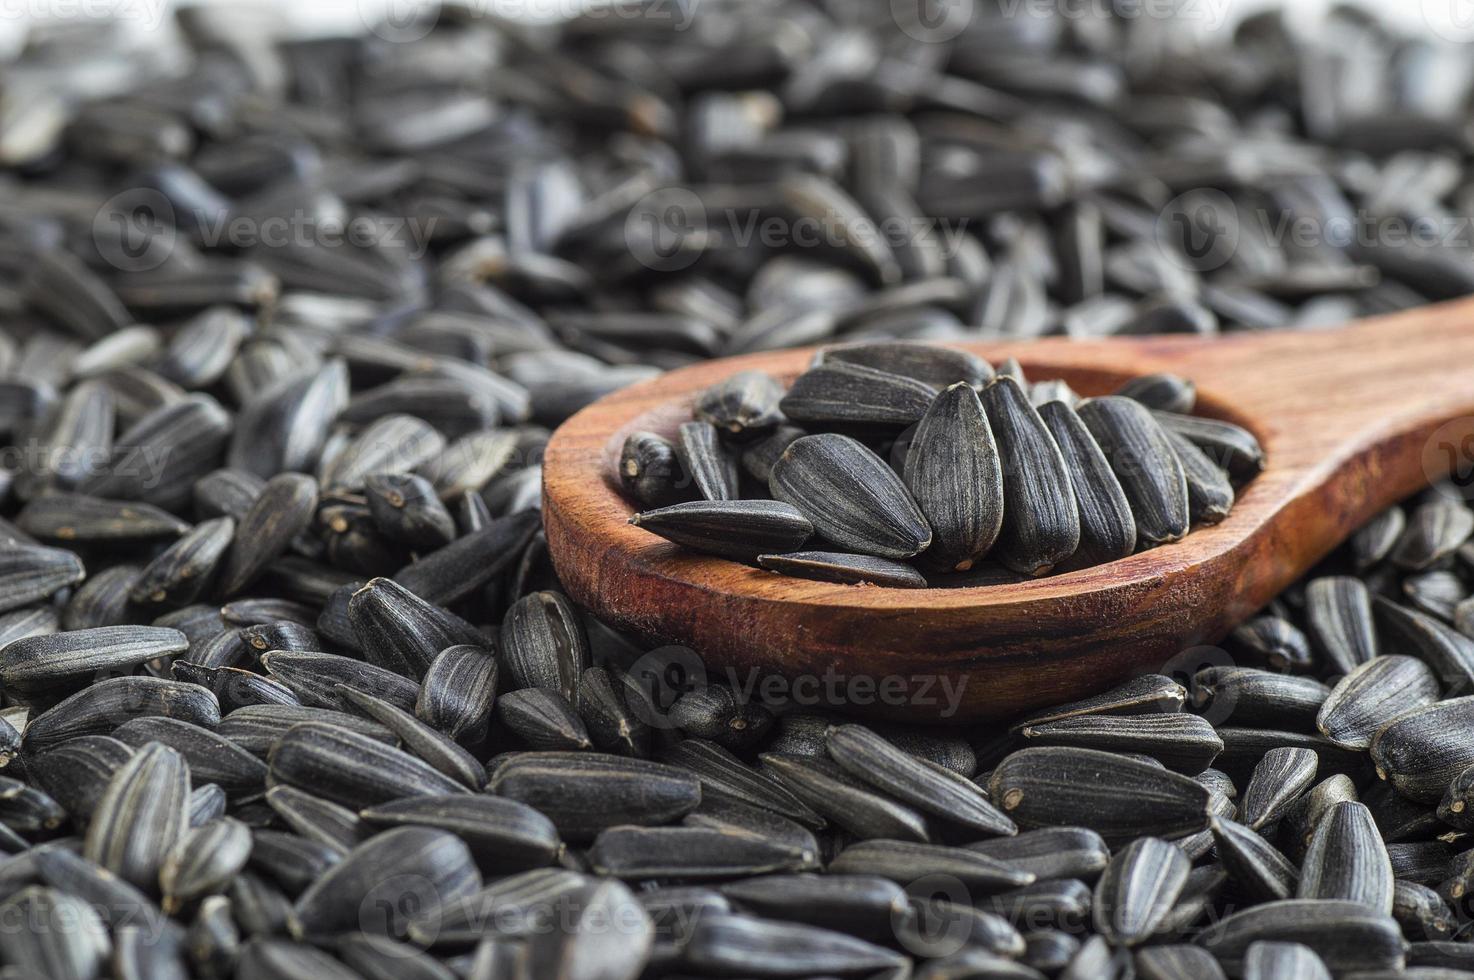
(1345, 418)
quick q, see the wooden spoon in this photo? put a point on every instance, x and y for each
(1352, 420)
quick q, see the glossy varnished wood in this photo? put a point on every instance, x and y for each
(1345, 418)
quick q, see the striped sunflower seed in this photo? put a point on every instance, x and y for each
(203, 862)
(141, 816)
(1138, 889)
(845, 393)
(59, 663)
(1143, 459)
(1041, 524)
(280, 512)
(1257, 868)
(1279, 778)
(1116, 796)
(1416, 755)
(457, 692)
(1276, 960)
(406, 509)
(737, 529)
(834, 566)
(865, 506)
(681, 853)
(1182, 742)
(650, 471)
(349, 768)
(1348, 936)
(711, 468)
(1371, 696)
(583, 793)
(1107, 527)
(1347, 860)
(953, 472)
(402, 632)
(502, 834)
(401, 873)
(922, 784)
(907, 862)
(834, 794)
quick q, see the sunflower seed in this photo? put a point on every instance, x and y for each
(1141, 455)
(419, 738)
(63, 936)
(59, 663)
(1231, 447)
(1346, 935)
(316, 819)
(651, 472)
(401, 873)
(101, 708)
(844, 393)
(1107, 527)
(1374, 540)
(1051, 853)
(835, 795)
(1447, 652)
(316, 679)
(79, 519)
(1182, 742)
(1347, 860)
(1210, 493)
(543, 719)
(723, 776)
(457, 692)
(501, 833)
(1282, 960)
(1275, 640)
(1164, 392)
(76, 773)
(1144, 695)
(141, 816)
(585, 792)
(922, 784)
(1138, 889)
(1422, 912)
(710, 467)
(1371, 696)
(908, 862)
(211, 757)
(743, 405)
(739, 529)
(1257, 868)
(406, 509)
(1278, 780)
(281, 511)
(401, 632)
(454, 572)
(612, 725)
(864, 906)
(1118, 797)
(725, 944)
(1415, 754)
(1434, 531)
(203, 862)
(349, 768)
(689, 852)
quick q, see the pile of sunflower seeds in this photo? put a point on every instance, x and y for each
(289, 686)
(983, 464)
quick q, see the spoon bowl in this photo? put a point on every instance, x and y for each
(1351, 421)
